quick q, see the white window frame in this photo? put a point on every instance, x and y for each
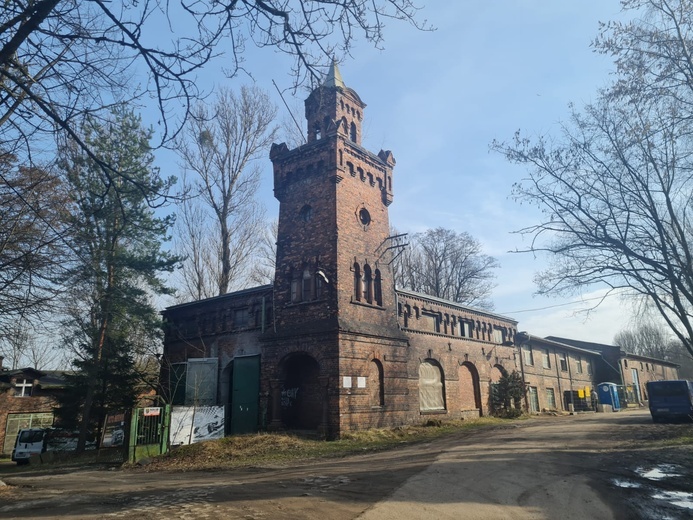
(529, 356)
(20, 388)
(545, 358)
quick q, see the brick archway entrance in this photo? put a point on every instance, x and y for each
(470, 389)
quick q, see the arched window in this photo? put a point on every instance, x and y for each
(431, 386)
(317, 133)
(357, 282)
(326, 124)
(378, 289)
(352, 131)
(307, 285)
(376, 384)
(367, 283)
(318, 287)
(295, 288)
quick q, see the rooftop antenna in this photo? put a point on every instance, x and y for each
(300, 130)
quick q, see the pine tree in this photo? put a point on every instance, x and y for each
(117, 264)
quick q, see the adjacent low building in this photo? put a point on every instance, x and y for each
(27, 400)
(559, 376)
(631, 371)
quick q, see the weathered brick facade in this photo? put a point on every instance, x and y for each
(631, 371)
(338, 347)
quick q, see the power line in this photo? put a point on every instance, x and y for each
(557, 305)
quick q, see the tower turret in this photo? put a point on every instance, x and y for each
(334, 107)
(332, 269)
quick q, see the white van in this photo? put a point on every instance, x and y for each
(29, 441)
(32, 441)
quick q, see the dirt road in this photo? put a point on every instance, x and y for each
(588, 466)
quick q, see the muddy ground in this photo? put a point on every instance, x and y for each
(583, 466)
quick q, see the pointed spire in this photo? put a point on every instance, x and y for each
(334, 78)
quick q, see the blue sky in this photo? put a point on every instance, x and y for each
(438, 99)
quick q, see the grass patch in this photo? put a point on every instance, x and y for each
(271, 449)
(683, 440)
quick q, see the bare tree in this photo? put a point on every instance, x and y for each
(64, 60)
(615, 187)
(646, 339)
(31, 227)
(20, 348)
(653, 339)
(449, 265)
(221, 220)
(265, 262)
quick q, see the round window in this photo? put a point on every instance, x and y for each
(364, 216)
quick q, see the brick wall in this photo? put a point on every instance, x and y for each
(38, 402)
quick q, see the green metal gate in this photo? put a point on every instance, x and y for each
(245, 394)
(149, 432)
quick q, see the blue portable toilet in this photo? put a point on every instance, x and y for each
(608, 394)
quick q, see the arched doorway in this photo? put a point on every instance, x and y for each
(494, 399)
(470, 389)
(376, 383)
(301, 400)
(431, 386)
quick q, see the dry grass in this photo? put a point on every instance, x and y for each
(272, 449)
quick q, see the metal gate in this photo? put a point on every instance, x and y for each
(149, 432)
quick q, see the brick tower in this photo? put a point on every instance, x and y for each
(334, 296)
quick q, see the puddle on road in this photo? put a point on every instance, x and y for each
(676, 498)
(659, 472)
(625, 483)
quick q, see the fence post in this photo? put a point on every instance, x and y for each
(132, 446)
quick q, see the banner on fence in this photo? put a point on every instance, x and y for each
(113, 430)
(191, 424)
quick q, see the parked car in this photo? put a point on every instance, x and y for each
(670, 400)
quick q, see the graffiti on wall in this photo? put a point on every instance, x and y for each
(289, 396)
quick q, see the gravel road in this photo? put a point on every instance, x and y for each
(592, 466)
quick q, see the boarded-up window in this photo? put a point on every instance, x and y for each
(431, 387)
(201, 381)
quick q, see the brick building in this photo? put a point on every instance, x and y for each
(331, 345)
(559, 376)
(632, 371)
(27, 399)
